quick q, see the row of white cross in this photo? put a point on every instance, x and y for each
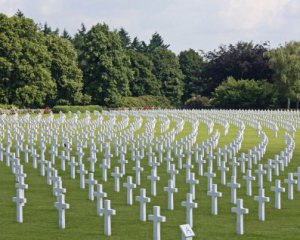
(163, 149)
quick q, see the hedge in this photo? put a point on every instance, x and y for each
(74, 109)
(8, 106)
(198, 102)
(146, 102)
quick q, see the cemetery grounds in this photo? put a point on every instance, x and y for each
(166, 127)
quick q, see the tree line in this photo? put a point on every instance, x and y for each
(42, 67)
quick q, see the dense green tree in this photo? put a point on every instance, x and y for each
(167, 71)
(78, 42)
(190, 64)
(244, 94)
(285, 61)
(144, 82)
(105, 66)
(65, 71)
(241, 61)
(25, 76)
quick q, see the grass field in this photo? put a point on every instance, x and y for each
(41, 218)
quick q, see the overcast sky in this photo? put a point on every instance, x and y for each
(197, 24)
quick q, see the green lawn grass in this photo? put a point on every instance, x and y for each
(41, 218)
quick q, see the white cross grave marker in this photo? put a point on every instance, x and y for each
(189, 205)
(130, 186)
(261, 199)
(107, 212)
(99, 194)
(277, 189)
(240, 211)
(171, 190)
(61, 206)
(214, 198)
(157, 219)
(143, 199)
(290, 181)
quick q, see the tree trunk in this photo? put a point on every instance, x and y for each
(288, 103)
(297, 103)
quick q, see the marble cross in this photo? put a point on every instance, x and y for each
(82, 172)
(170, 189)
(192, 182)
(290, 181)
(240, 211)
(107, 212)
(129, 185)
(20, 201)
(99, 194)
(223, 169)
(153, 178)
(214, 198)
(261, 199)
(91, 182)
(157, 219)
(210, 175)
(189, 205)
(249, 178)
(117, 175)
(260, 173)
(61, 206)
(277, 189)
(143, 199)
(233, 185)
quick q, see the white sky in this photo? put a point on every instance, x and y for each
(197, 24)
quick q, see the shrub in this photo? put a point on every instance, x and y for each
(8, 106)
(246, 94)
(147, 101)
(74, 109)
(197, 102)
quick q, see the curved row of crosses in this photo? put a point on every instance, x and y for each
(86, 143)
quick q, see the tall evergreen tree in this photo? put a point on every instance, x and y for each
(78, 42)
(66, 35)
(137, 45)
(156, 41)
(144, 82)
(190, 64)
(105, 66)
(19, 13)
(167, 71)
(65, 71)
(125, 38)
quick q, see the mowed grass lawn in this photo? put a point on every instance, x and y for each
(41, 218)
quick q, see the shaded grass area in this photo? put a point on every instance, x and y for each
(41, 218)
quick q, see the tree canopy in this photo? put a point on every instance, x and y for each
(42, 66)
(285, 62)
(105, 66)
(244, 60)
(190, 64)
(167, 70)
(244, 94)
